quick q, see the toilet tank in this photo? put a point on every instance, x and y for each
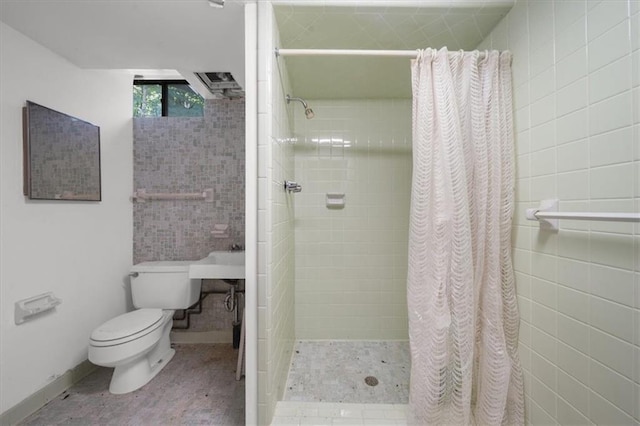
(164, 285)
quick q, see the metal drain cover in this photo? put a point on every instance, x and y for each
(371, 381)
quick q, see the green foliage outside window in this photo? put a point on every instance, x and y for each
(181, 100)
(184, 102)
(147, 100)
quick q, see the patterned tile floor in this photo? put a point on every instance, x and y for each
(335, 371)
(326, 384)
(197, 387)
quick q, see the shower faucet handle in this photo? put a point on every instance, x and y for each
(291, 186)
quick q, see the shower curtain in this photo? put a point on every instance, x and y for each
(463, 317)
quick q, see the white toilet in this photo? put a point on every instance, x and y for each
(137, 343)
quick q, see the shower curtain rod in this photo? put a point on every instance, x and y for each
(351, 52)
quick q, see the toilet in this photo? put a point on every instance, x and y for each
(137, 343)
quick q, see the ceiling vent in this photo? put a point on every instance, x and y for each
(221, 84)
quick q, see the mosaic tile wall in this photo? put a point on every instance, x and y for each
(189, 154)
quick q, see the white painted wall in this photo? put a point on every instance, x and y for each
(577, 118)
(81, 251)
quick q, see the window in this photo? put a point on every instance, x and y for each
(166, 98)
(147, 100)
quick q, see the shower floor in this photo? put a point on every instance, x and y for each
(335, 371)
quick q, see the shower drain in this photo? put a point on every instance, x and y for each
(371, 381)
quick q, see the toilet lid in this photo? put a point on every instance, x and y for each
(127, 324)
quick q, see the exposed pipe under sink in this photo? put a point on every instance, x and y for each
(236, 287)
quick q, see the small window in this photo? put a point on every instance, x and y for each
(166, 98)
(147, 100)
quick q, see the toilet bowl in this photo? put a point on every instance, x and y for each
(137, 343)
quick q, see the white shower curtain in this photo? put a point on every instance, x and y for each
(463, 316)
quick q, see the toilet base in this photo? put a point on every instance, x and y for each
(139, 371)
(130, 377)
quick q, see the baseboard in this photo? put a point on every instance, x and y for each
(194, 337)
(39, 399)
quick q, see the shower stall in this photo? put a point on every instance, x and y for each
(351, 256)
(323, 270)
(332, 302)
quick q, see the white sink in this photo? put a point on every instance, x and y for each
(219, 265)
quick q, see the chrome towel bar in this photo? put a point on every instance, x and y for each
(548, 215)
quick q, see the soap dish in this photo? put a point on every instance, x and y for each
(220, 230)
(335, 200)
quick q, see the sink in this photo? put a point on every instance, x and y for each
(219, 265)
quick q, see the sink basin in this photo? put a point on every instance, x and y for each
(219, 265)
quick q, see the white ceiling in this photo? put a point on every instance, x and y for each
(370, 27)
(191, 36)
(135, 34)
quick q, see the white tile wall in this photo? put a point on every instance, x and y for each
(579, 290)
(275, 223)
(351, 263)
(319, 413)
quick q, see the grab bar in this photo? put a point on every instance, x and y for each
(141, 195)
(548, 215)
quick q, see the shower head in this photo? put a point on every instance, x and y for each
(308, 112)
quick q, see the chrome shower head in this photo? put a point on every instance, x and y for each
(308, 112)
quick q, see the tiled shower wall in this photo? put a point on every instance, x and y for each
(275, 222)
(576, 69)
(184, 154)
(351, 263)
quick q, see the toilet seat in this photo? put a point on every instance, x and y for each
(127, 327)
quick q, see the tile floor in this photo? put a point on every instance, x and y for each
(326, 384)
(197, 387)
(335, 371)
(327, 413)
